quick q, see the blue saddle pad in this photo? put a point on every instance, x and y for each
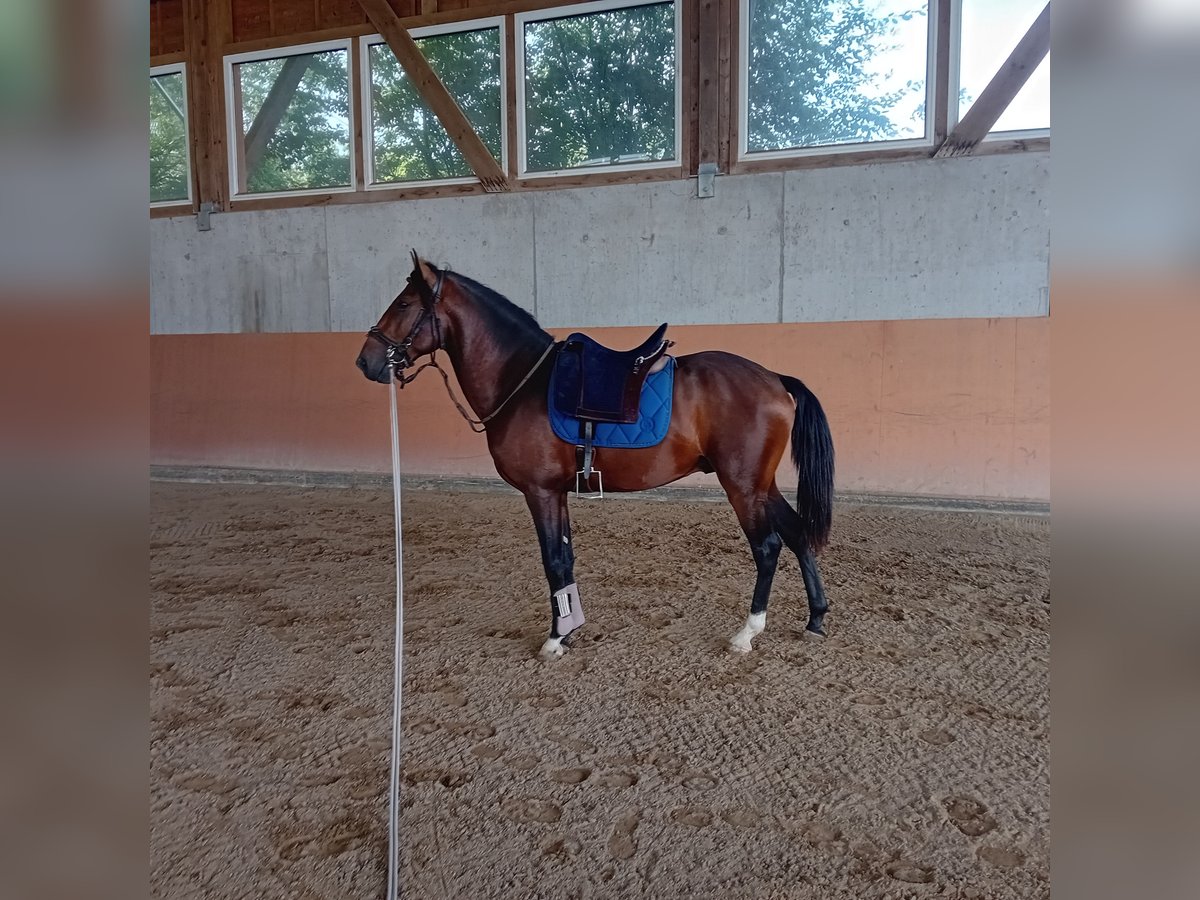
(654, 416)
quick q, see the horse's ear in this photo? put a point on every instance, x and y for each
(426, 270)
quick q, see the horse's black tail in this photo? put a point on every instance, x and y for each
(812, 452)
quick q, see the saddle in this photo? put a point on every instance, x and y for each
(597, 384)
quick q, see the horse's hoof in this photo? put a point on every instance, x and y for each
(739, 646)
(553, 649)
(808, 635)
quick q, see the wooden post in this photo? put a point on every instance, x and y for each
(727, 142)
(434, 93)
(710, 80)
(941, 83)
(1004, 86)
(206, 31)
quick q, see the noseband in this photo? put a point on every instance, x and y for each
(397, 351)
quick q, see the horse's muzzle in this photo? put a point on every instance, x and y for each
(373, 362)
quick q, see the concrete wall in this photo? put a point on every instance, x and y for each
(912, 297)
(962, 238)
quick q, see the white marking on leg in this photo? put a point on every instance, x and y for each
(552, 649)
(754, 626)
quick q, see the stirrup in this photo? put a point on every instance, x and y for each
(581, 477)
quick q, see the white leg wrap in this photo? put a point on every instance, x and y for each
(568, 611)
(754, 626)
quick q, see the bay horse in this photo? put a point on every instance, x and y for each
(730, 416)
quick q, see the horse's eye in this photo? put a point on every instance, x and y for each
(403, 305)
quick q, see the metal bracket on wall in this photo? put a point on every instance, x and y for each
(706, 180)
(202, 217)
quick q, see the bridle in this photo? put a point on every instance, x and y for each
(397, 351)
(399, 360)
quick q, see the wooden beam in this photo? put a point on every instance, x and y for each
(338, 32)
(709, 80)
(266, 122)
(941, 71)
(727, 140)
(1004, 86)
(206, 32)
(689, 116)
(239, 146)
(361, 129)
(168, 59)
(510, 94)
(434, 93)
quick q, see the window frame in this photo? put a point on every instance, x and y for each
(952, 114)
(233, 123)
(744, 155)
(179, 68)
(367, 111)
(582, 9)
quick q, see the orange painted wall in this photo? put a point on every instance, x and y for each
(952, 407)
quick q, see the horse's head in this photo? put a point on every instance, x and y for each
(409, 329)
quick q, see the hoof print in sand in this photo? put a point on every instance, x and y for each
(570, 776)
(742, 818)
(522, 762)
(692, 815)
(620, 844)
(818, 834)
(968, 815)
(910, 872)
(561, 846)
(1004, 859)
(617, 779)
(543, 811)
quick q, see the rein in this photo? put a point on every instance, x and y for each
(479, 426)
(397, 355)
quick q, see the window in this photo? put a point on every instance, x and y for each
(170, 174)
(822, 73)
(598, 86)
(289, 120)
(989, 30)
(406, 142)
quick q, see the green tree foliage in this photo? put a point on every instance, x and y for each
(410, 143)
(813, 78)
(310, 148)
(600, 88)
(168, 139)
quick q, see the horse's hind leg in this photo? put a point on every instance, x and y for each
(817, 604)
(765, 544)
(787, 521)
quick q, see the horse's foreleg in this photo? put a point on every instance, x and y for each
(553, 524)
(765, 545)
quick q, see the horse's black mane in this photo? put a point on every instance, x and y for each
(505, 313)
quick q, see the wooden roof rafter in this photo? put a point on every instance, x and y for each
(434, 93)
(986, 111)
